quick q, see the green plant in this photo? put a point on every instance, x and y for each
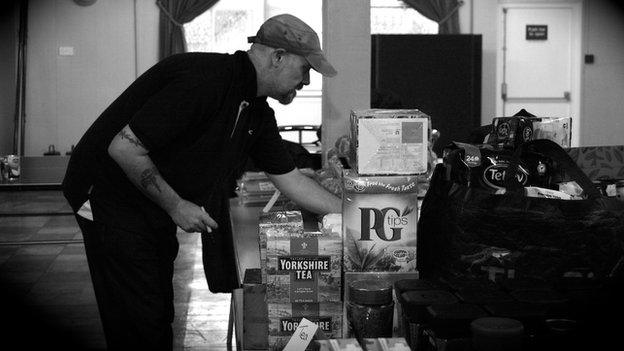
(362, 259)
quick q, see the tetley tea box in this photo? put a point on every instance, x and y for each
(303, 266)
(379, 216)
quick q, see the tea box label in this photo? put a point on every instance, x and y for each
(301, 266)
(380, 216)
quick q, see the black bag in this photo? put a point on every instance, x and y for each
(467, 231)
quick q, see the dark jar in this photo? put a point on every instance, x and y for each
(370, 309)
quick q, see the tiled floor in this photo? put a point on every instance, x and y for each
(45, 288)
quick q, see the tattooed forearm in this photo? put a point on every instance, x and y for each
(124, 135)
(148, 177)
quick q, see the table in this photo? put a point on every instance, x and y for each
(244, 220)
(38, 173)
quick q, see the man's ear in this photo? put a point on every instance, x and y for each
(278, 57)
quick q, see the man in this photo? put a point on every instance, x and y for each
(160, 157)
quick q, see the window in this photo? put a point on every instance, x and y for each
(395, 17)
(225, 28)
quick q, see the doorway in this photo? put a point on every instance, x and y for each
(539, 60)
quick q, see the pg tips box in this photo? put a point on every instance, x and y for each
(285, 317)
(304, 266)
(390, 142)
(379, 216)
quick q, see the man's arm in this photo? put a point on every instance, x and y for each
(306, 193)
(128, 151)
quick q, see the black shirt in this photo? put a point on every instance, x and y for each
(185, 111)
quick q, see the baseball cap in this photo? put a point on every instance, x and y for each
(293, 35)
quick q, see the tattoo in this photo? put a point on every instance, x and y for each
(136, 142)
(148, 177)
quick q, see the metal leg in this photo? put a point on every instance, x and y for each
(230, 323)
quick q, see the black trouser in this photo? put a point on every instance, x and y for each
(132, 274)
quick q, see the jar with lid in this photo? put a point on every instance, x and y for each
(370, 309)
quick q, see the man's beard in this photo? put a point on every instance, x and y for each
(287, 98)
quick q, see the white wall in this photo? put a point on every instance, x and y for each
(602, 107)
(484, 23)
(65, 94)
(347, 44)
(602, 83)
(114, 41)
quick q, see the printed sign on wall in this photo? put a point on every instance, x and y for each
(536, 32)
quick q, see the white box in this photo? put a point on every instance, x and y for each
(390, 142)
(557, 129)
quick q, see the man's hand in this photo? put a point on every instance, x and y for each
(192, 218)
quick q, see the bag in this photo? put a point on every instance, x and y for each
(468, 231)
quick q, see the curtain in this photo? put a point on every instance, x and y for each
(442, 11)
(173, 15)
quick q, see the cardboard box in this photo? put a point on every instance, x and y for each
(557, 129)
(304, 266)
(511, 132)
(255, 320)
(515, 130)
(285, 317)
(339, 345)
(386, 344)
(389, 142)
(379, 217)
(276, 225)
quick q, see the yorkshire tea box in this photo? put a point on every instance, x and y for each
(389, 142)
(557, 129)
(285, 317)
(277, 225)
(304, 266)
(379, 217)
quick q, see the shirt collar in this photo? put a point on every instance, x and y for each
(248, 77)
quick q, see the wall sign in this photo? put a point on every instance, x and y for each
(536, 32)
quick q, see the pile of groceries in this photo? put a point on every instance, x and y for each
(339, 277)
(351, 282)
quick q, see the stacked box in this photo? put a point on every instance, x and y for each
(386, 344)
(511, 132)
(302, 271)
(303, 266)
(387, 142)
(277, 225)
(557, 129)
(379, 217)
(515, 130)
(256, 188)
(339, 345)
(285, 317)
